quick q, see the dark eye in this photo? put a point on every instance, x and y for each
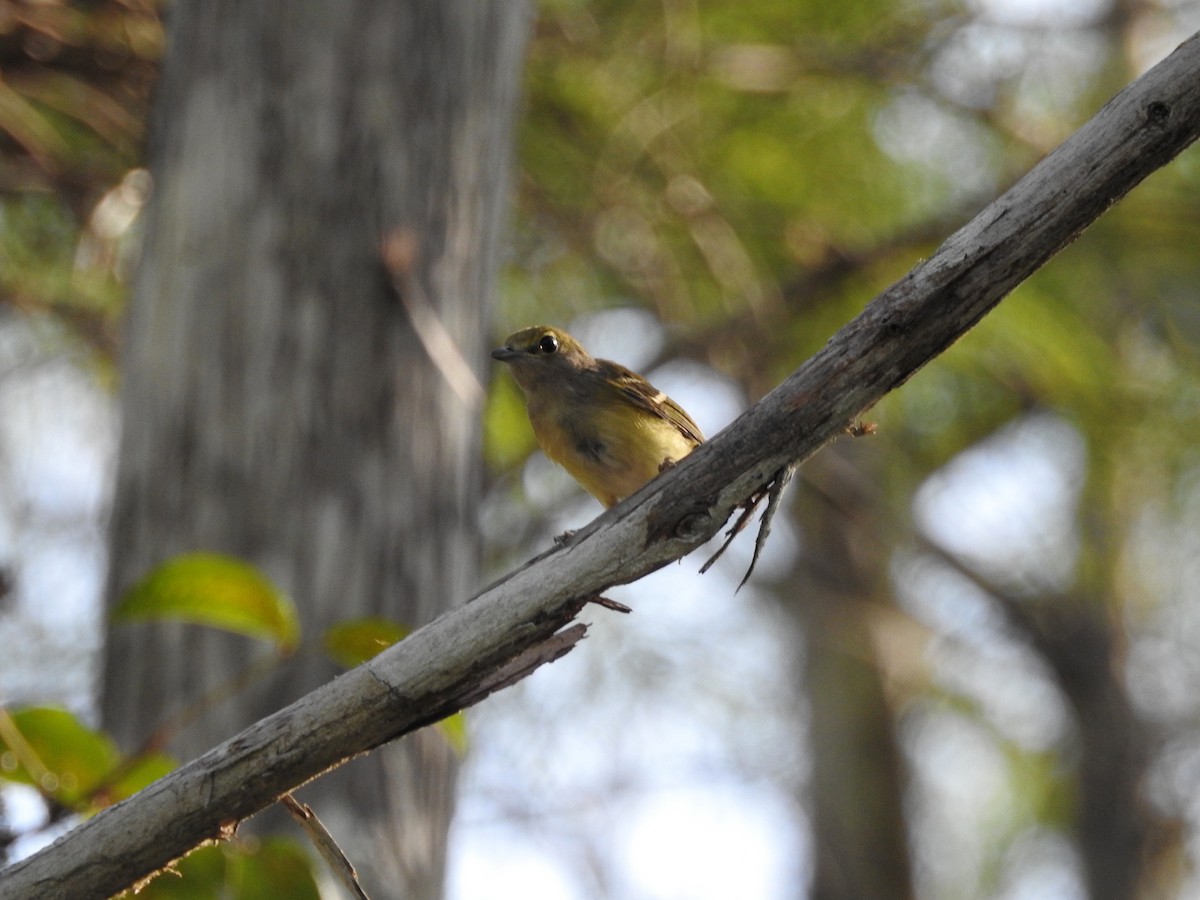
(548, 343)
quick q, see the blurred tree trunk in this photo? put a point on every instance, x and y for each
(856, 794)
(1080, 644)
(1117, 833)
(278, 403)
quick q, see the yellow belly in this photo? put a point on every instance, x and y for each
(620, 450)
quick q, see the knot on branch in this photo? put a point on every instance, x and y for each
(693, 526)
(893, 326)
(1157, 113)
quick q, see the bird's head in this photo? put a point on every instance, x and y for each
(542, 352)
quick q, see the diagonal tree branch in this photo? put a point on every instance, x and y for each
(440, 668)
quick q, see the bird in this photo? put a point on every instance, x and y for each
(606, 425)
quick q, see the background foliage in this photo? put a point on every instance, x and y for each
(707, 191)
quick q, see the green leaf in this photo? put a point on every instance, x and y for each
(353, 642)
(199, 875)
(214, 590)
(80, 767)
(246, 870)
(454, 730)
(55, 752)
(279, 868)
(133, 775)
(508, 436)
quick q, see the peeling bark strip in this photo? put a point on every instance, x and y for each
(1142, 128)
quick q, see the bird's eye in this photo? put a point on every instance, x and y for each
(548, 344)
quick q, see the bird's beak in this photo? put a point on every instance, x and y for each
(504, 354)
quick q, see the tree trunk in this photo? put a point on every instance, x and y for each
(285, 399)
(856, 794)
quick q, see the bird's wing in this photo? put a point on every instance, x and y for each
(645, 396)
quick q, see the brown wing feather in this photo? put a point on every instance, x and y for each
(649, 398)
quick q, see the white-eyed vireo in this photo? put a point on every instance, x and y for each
(607, 426)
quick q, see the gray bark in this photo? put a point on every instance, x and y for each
(278, 402)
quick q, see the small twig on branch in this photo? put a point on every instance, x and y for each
(524, 663)
(341, 867)
(609, 603)
(400, 251)
(773, 490)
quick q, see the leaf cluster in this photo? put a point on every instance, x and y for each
(78, 770)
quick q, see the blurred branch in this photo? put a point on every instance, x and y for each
(799, 295)
(426, 676)
(1075, 639)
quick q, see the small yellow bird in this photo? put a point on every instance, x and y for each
(607, 426)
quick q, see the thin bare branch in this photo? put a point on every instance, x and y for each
(341, 867)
